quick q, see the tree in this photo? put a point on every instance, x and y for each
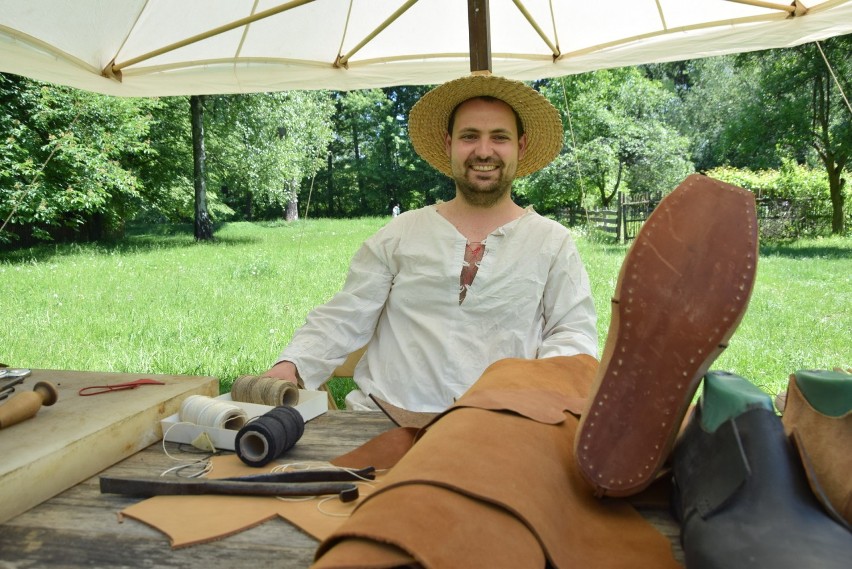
(758, 110)
(371, 164)
(621, 140)
(167, 169)
(712, 94)
(263, 145)
(797, 105)
(66, 160)
(203, 224)
(361, 164)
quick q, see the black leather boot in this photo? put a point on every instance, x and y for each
(742, 496)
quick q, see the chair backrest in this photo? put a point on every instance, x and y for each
(347, 368)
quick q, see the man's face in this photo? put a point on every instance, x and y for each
(484, 149)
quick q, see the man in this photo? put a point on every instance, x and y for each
(442, 292)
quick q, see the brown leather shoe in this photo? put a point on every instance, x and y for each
(682, 290)
(818, 419)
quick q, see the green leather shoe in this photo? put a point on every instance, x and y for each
(740, 491)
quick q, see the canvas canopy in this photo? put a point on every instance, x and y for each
(180, 47)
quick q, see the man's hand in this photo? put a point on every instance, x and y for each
(285, 371)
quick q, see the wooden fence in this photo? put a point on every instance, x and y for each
(777, 218)
(623, 222)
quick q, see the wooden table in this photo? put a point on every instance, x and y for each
(79, 528)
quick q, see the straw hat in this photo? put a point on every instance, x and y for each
(427, 122)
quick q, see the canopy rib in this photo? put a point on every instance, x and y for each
(343, 60)
(658, 33)
(114, 69)
(790, 9)
(553, 47)
(456, 55)
(245, 33)
(662, 15)
(27, 39)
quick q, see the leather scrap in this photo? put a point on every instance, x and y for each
(190, 520)
(544, 406)
(403, 417)
(370, 554)
(381, 452)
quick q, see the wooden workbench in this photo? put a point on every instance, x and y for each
(78, 436)
(79, 527)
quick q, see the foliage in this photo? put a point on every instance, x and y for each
(77, 165)
(63, 160)
(167, 169)
(83, 163)
(793, 109)
(262, 145)
(792, 201)
(371, 164)
(712, 93)
(792, 180)
(619, 141)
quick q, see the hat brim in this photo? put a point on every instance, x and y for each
(427, 122)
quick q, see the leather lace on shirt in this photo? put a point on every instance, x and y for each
(473, 253)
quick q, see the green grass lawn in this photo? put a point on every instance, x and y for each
(157, 302)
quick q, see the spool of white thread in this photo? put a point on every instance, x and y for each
(208, 412)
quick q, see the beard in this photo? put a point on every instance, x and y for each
(482, 194)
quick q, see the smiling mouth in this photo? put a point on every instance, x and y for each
(484, 167)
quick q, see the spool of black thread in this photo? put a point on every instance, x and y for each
(269, 436)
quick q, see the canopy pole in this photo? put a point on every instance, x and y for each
(480, 36)
(113, 70)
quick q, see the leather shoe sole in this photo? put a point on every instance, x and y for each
(682, 290)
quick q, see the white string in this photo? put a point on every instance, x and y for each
(573, 141)
(208, 412)
(320, 465)
(332, 514)
(206, 462)
(833, 76)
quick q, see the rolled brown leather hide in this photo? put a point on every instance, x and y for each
(493, 482)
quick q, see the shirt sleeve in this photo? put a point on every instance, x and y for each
(570, 320)
(346, 322)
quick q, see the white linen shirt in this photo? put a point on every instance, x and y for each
(530, 299)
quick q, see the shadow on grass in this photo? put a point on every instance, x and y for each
(807, 250)
(833, 248)
(138, 239)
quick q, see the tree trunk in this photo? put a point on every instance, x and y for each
(330, 208)
(835, 187)
(358, 174)
(291, 212)
(203, 225)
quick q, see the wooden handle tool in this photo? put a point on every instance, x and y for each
(346, 491)
(25, 405)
